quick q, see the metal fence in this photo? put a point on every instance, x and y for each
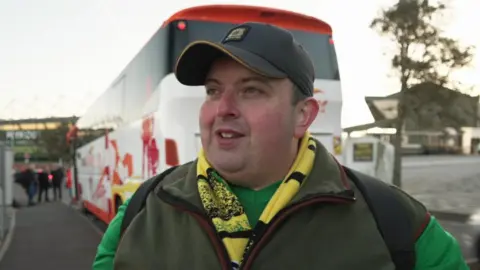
(6, 189)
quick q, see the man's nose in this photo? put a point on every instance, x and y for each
(227, 105)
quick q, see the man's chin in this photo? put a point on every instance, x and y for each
(227, 164)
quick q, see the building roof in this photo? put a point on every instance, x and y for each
(36, 120)
(428, 98)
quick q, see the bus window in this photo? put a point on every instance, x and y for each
(319, 46)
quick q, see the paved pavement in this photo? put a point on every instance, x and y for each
(50, 236)
(448, 183)
(420, 161)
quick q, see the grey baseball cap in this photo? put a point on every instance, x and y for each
(265, 49)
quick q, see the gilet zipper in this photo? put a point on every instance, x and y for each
(282, 215)
(206, 223)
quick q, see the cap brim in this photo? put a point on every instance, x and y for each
(196, 59)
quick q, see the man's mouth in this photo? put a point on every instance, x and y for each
(229, 134)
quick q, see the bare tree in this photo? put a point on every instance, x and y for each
(54, 142)
(422, 54)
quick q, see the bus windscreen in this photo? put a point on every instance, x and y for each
(319, 46)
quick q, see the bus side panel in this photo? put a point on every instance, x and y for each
(327, 125)
(151, 159)
(123, 101)
(108, 162)
(91, 167)
(178, 116)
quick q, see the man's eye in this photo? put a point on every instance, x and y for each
(252, 90)
(211, 91)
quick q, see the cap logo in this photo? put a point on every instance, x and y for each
(237, 34)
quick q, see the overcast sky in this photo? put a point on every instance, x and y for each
(57, 56)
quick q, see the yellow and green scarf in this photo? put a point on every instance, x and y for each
(226, 211)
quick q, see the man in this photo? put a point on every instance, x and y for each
(57, 180)
(27, 178)
(263, 194)
(69, 184)
(32, 187)
(44, 184)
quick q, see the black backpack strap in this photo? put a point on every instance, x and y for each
(391, 216)
(138, 199)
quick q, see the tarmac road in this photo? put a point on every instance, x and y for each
(447, 184)
(444, 183)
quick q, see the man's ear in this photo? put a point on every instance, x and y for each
(305, 112)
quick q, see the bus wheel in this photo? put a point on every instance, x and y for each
(118, 203)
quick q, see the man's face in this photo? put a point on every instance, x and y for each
(247, 122)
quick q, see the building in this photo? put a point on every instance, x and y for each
(25, 136)
(435, 117)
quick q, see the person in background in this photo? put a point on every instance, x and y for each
(44, 184)
(57, 180)
(26, 177)
(31, 182)
(69, 184)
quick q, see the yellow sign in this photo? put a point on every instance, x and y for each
(363, 152)
(337, 145)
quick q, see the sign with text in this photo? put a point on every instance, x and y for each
(363, 152)
(21, 137)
